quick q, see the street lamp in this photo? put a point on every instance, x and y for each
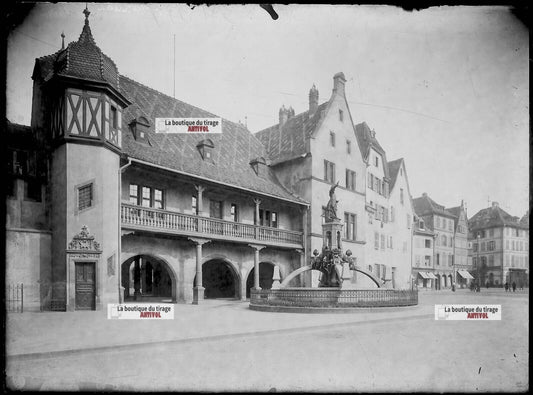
(478, 263)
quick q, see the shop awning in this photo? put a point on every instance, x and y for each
(431, 276)
(424, 275)
(464, 274)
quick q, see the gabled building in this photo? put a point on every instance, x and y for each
(423, 253)
(310, 153)
(500, 247)
(103, 209)
(389, 212)
(460, 244)
(442, 222)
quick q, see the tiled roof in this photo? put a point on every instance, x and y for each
(234, 148)
(290, 141)
(424, 205)
(366, 139)
(394, 169)
(525, 219)
(494, 217)
(456, 211)
(81, 59)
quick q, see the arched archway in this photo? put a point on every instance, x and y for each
(146, 277)
(266, 272)
(450, 280)
(437, 282)
(219, 279)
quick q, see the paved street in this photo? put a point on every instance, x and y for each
(224, 346)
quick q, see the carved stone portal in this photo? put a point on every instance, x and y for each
(83, 241)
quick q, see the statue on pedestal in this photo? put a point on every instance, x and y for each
(331, 207)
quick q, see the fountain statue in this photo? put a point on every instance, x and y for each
(337, 287)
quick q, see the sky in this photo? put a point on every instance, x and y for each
(446, 88)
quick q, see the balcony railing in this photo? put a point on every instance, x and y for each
(143, 217)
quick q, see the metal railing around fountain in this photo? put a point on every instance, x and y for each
(333, 297)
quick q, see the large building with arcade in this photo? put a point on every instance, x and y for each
(102, 209)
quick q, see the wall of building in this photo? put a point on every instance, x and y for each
(349, 201)
(178, 193)
(28, 257)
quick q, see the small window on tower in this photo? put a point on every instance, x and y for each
(341, 116)
(114, 117)
(85, 196)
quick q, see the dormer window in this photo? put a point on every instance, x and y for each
(140, 128)
(259, 166)
(205, 147)
(421, 224)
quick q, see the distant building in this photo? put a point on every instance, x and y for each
(423, 255)
(500, 247)
(460, 245)
(442, 223)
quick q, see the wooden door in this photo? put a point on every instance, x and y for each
(85, 285)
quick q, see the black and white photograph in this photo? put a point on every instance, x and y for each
(266, 198)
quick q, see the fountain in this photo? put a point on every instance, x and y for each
(337, 289)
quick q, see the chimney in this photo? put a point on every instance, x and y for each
(313, 100)
(338, 83)
(495, 204)
(425, 194)
(283, 115)
(290, 113)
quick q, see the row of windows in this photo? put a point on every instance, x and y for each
(329, 175)
(485, 246)
(382, 241)
(154, 198)
(514, 232)
(444, 259)
(426, 259)
(146, 196)
(332, 142)
(443, 223)
(510, 260)
(378, 185)
(443, 240)
(517, 245)
(516, 261)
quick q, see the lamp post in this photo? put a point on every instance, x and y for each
(478, 263)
